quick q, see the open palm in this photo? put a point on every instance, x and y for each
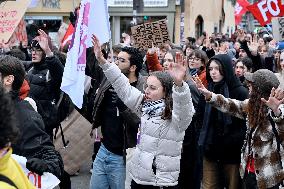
(177, 71)
(275, 99)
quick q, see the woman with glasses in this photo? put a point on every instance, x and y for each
(280, 70)
(197, 61)
(166, 110)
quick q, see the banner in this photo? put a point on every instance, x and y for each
(265, 10)
(79, 148)
(46, 181)
(19, 35)
(240, 10)
(278, 28)
(151, 33)
(11, 13)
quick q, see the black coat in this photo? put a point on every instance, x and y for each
(33, 141)
(45, 79)
(227, 147)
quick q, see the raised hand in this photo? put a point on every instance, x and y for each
(43, 42)
(241, 35)
(152, 50)
(253, 45)
(207, 94)
(98, 50)
(275, 99)
(178, 70)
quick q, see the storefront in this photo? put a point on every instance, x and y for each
(121, 14)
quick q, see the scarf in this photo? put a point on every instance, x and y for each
(153, 108)
(193, 71)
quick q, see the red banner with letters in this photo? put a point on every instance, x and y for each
(240, 10)
(265, 10)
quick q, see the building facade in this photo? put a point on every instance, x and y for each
(196, 16)
(120, 11)
(185, 17)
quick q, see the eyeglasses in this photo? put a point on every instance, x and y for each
(193, 59)
(37, 51)
(150, 87)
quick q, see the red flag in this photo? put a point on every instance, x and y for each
(240, 9)
(68, 35)
(264, 10)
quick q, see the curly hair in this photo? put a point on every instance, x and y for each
(136, 58)
(12, 66)
(256, 109)
(9, 131)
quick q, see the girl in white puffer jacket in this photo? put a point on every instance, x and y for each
(166, 111)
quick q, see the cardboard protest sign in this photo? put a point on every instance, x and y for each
(19, 35)
(79, 148)
(278, 28)
(45, 181)
(11, 13)
(155, 33)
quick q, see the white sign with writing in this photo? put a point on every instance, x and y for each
(46, 181)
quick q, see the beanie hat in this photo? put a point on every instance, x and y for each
(35, 44)
(264, 79)
(166, 79)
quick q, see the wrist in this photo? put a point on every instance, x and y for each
(48, 53)
(276, 112)
(208, 97)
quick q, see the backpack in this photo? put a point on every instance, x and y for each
(5, 179)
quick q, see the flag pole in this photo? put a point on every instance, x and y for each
(109, 32)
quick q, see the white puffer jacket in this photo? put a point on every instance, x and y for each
(160, 139)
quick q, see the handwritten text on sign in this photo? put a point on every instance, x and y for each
(150, 33)
(11, 13)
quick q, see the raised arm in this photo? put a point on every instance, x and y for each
(131, 96)
(231, 106)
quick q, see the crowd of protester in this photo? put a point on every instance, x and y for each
(207, 113)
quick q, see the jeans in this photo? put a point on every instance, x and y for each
(108, 171)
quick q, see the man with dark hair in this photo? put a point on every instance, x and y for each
(33, 143)
(17, 53)
(11, 174)
(118, 124)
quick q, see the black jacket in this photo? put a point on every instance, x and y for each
(45, 79)
(222, 141)
(33, 141)
(129, 121)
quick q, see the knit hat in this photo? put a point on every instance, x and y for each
(264, 79)
(166, 79)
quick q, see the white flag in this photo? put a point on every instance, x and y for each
(90, 21)
(99, 22)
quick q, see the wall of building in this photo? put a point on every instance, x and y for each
(65, 7)
(211, 12)
(116, 12)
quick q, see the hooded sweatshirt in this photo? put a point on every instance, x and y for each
(222, 135)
